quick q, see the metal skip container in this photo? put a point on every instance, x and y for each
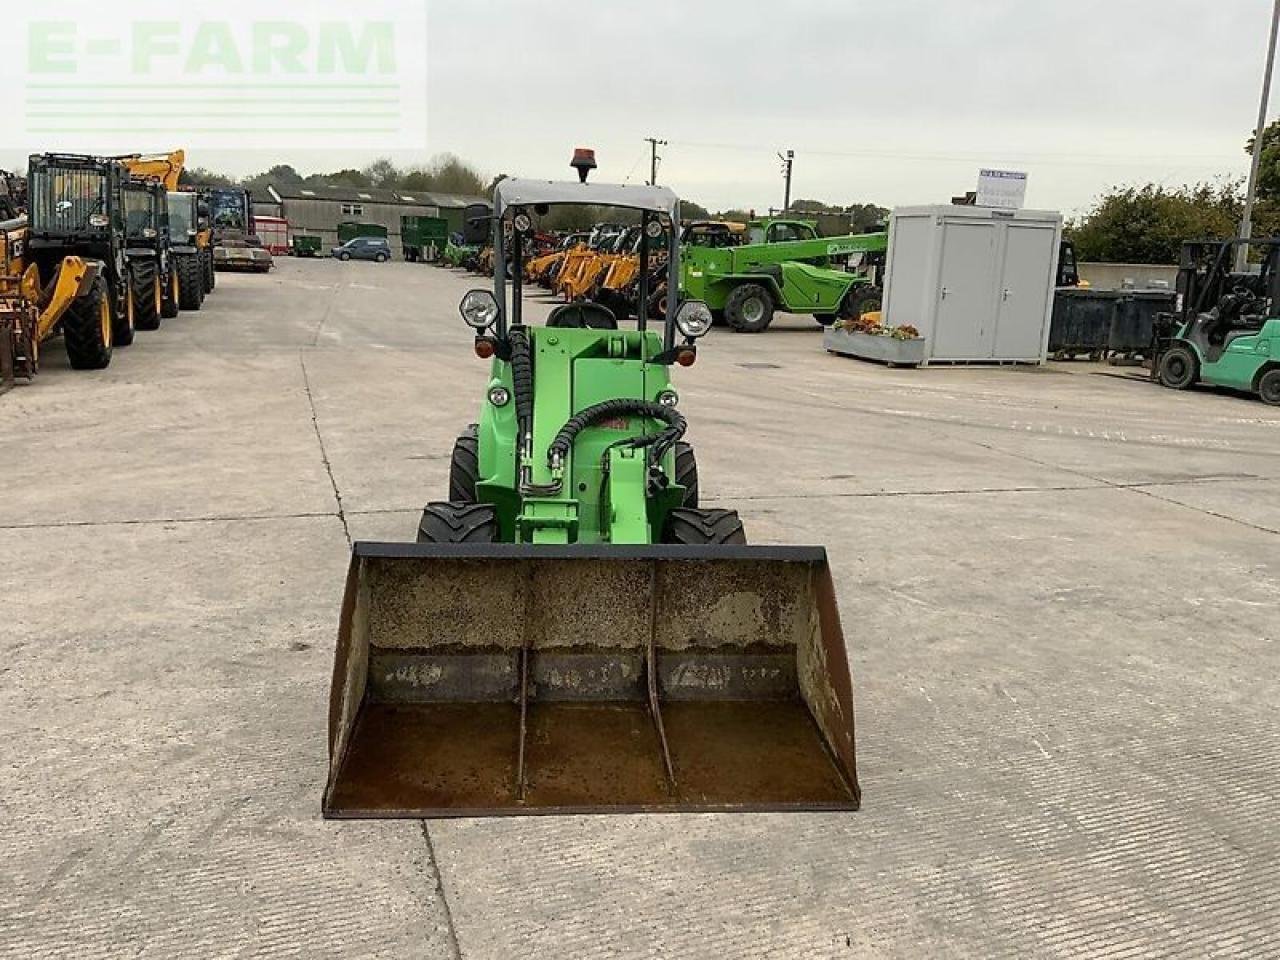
(514, 679)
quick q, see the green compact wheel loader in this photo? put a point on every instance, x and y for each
(1228, 333)
(572, 630)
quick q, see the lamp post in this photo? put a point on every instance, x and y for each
(1246, 221)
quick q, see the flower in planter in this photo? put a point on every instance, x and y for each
(905, 332)
(867, 323)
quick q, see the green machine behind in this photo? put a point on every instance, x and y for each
(790, 270)
(1228, 333)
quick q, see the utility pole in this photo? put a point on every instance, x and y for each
(789, 160)
(1246, 222)
(655, 143)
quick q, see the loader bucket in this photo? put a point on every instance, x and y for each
(476, 680)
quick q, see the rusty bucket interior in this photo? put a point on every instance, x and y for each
(504, 679)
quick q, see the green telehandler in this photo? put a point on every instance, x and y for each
(1228, 333)
(745, 284)
(572, 632)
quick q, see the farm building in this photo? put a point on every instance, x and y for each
(319, 208)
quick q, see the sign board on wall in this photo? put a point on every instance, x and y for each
(1002, 188)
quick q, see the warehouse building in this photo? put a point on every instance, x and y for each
(319, 208)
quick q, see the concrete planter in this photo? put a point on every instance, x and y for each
(868, 346)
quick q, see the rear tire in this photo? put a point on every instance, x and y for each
(749, 308)
(687, 474)
(464, 466)
(206, 266)
(1179, 368)
(87, 329)
(1269, 387)
(143, 280)
(458, 523)
(704, 527)
(190, 282)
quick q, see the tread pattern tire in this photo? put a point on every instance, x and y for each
(1269, 387)
(210, 275)
(861, 300)
(464, 466)
(704, 527)
(749, 308)
(687, 474)
(142, 280)
(190, 281)
(1179, 367)
(123, 327)
(82, 333)
(168, 300)
(458, 523)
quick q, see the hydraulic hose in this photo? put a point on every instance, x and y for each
(522, 375)
(661, 442)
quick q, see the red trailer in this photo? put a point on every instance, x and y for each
(274, 234)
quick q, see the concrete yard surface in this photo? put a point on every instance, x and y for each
(1060, 589)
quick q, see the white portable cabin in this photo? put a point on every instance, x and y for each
(977, 282)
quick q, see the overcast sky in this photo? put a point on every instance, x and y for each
(887, 101)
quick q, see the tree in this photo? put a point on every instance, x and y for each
(202, 177)
(382, 173)
(866, 216)
(693, 211)
(451, 175)
(1149, 224)
(348, 178)
(1269, 168)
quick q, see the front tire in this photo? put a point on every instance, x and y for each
(87, 329)
(704, 528)
(1179, 367)
(171, 293)
(1269, 387)
(749, 308)
(190, 282)
(458, 523)
(210, 275)
(860, 301)
(687, 474)
(144, 286)
(464, 466)
(124, 316)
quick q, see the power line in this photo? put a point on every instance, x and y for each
(1052, 159)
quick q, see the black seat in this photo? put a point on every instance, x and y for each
(584, 315)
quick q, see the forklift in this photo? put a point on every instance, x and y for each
(1227, 332)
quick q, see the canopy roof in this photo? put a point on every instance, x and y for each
(526, 193)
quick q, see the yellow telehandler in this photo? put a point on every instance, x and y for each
(73, 302)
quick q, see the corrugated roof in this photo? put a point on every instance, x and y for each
(341, 193)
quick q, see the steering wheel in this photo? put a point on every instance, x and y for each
(583, 315)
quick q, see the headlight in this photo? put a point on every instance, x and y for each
(693, 319)
(669, 398)
(479, 309)
(654, 229)
(499, 396)
(99, 220)
(149, 233)
(522, 222)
